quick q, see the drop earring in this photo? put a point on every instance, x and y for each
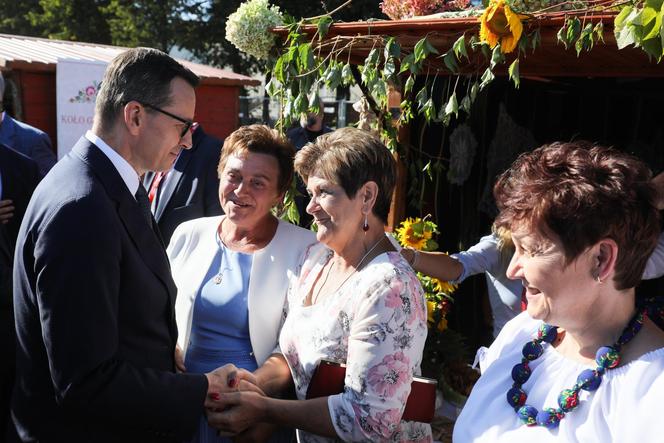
(365, 225)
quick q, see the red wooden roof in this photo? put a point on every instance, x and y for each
(39, 54)
(551, 59)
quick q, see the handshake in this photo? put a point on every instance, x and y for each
(235, 405)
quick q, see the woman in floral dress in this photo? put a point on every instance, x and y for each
(356, 301)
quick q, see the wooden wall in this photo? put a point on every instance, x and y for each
(217, 106)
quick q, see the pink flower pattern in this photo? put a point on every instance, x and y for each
(388, 376)
(376, 322)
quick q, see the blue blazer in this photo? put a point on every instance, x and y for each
(192, 191)
(29, 141)
(93, 299)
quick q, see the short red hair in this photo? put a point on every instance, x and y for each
(583, 194)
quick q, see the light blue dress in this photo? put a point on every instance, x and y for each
(220, 324)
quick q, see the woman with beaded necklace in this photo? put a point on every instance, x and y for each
(356, 301)
(584, 363)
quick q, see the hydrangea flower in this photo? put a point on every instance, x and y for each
(248, 27)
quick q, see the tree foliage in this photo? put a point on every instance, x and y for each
(205, 34)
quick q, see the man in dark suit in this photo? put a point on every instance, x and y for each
(19, 176)
(26, 139)
(190, 189)
(93, 294)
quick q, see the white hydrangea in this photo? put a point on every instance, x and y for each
(248, 27)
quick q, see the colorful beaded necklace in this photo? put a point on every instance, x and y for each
(607, 357)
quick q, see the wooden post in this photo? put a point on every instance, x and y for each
(398, 206)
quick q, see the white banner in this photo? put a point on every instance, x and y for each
(77, 83)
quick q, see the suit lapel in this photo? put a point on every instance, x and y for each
(144, 237)
(172, 183)
(8, 131)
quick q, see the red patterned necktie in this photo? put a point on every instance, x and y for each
(156, 181)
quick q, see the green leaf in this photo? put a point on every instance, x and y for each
(655, 26)
(450, 62)
(372, 58)
(333, 77)
(514, 73)
(459, 47)
(314, 101)
(272, 87)
(619, 21)
(497, 56)
(487, 78)
(430, 48)
(422, 49)
(379, 92)
(573, 29)
(536, 39)
(301, 103)
(653, 47)
(644, 16)
(409, 85)
(428, 110)
(408, 63)
(562, 35)
(422, 97)
(452, 106)
(392, 49)
(324, 26)
(474, 90)
(389, 68)
(306, 57)
(347, 75)
(465, 104)
(599, 31)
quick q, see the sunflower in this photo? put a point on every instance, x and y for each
(500, 24)
(443, 286)
(431, 309)
(412, 233)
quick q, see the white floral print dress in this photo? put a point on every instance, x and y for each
(376, 323)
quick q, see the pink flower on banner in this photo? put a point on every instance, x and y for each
(90, 91)
(389, 375)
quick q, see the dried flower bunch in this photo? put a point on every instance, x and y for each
(248, 27)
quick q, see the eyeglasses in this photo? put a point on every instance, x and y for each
(187, 123)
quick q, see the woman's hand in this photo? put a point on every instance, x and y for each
(228, 378)
(179, 359)
(235, 412)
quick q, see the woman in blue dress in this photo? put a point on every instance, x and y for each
(233, 271)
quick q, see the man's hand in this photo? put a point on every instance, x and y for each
(6, 210)
(179, 359)
(235, 412)
(228, 378)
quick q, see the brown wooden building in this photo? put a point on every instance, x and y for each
(28, 65)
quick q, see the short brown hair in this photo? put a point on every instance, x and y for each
(350, 157)
(582, 194)
(141, 74)
(261, 139)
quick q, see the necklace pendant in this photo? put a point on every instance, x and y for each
(217, 279)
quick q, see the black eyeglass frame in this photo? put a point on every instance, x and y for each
(187, 123)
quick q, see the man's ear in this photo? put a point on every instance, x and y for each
(133, 116)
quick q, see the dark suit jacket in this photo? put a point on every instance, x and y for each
(93, 299)
(192, 191)
(29, 141)
(19, 176)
